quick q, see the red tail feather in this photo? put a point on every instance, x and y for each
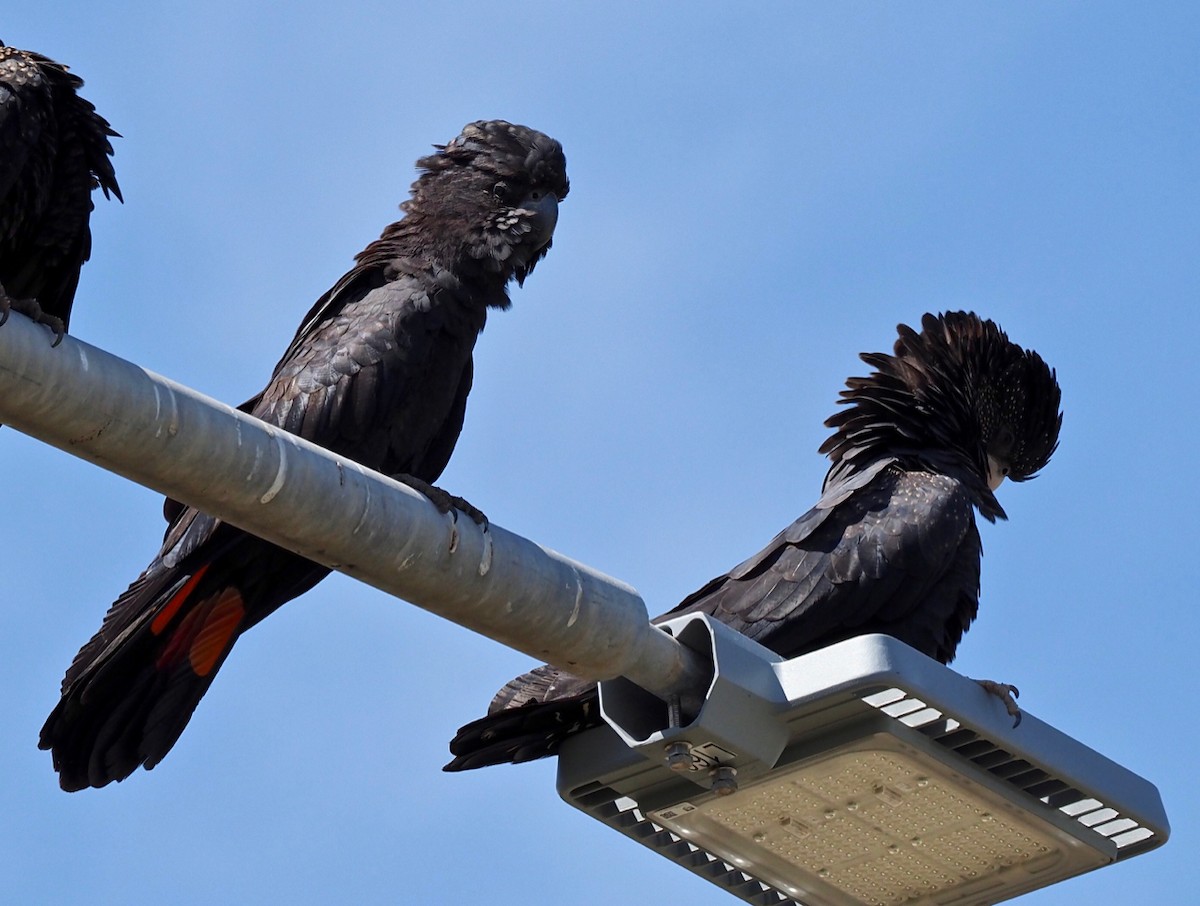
(172, 607)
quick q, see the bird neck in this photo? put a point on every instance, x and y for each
(415, 243)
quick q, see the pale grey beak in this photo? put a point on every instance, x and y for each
(544, 206)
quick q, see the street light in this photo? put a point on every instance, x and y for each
(863, 773)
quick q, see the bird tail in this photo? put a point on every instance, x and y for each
(131, 690)
(528, 719)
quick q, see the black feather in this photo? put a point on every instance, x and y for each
(379, 372)
(890, 547)
(54, 151)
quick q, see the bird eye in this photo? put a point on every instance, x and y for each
(536, 194)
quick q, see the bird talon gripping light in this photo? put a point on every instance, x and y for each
(863, 773)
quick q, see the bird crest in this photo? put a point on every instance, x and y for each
(959, 398)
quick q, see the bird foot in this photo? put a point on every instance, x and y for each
(444, 500)
(33, 311)
(1006, 693)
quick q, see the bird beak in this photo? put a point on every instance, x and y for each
(996, 472)
(545, 216)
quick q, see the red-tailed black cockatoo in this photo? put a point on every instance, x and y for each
(890, 547)
(379, 372)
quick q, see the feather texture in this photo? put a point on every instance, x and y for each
(379, 371)
(890, 547)
(54, 151)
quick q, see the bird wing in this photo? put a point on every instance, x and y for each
(333, 390)
(899, 556)
(398, 356)
(383, 381)
(346, 374)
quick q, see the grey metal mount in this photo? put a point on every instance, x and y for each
(865, 773)
(330, 509)
(737, 725)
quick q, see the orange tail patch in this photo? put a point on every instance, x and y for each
(217, 633)
(206, 630)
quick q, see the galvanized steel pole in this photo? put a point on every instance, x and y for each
(168, 437)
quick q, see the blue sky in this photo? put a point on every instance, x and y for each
(758, 194)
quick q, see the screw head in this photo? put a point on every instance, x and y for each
(679, 756)
(724, 780)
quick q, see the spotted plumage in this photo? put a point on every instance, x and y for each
(891, 546)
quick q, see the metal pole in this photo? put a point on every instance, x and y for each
(170, 438)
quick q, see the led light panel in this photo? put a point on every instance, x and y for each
(871, 823)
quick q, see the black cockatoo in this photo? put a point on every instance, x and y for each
(54, 150)
(891, 546)
(379, 372)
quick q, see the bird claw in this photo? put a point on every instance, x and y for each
(33, 311)
(1007, 693)
(476, 514)
(445, 501)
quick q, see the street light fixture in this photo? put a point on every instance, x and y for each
(863, 773)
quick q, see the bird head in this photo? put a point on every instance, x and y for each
(494, 192)
(957, 397)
